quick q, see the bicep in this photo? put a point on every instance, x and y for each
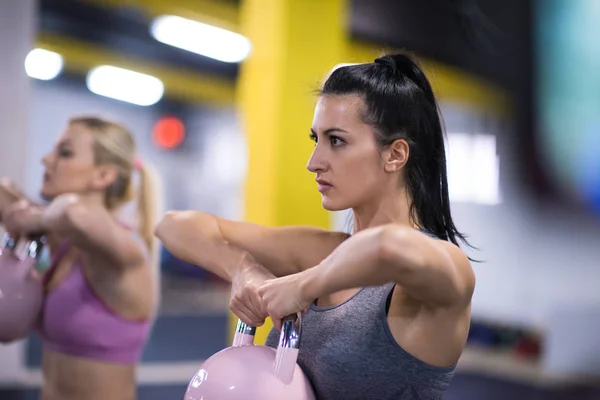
(282, 250)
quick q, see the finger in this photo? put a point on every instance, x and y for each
(254, 308)
(17, 206)
(22, 204)
(251, 318)
(263, 288)
(242, 316)
(257, 305)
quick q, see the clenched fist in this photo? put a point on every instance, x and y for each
(22, 219)
(245, 301)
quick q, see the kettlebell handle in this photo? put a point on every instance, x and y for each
(291, 331)
(33, 249)
(244, 334)
(7, 242)
(287, 349)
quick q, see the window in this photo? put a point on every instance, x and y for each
(473, 168)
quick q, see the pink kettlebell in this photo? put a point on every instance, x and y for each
(245, 371)
(21, 293)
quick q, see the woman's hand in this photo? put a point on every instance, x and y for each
(10, 192)
(285, 296)
(56, 211)
(245, 302)
(22, 219)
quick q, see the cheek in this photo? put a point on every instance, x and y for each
(362, 172)
(72, 173)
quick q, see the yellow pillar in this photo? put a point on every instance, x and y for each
(295, 43)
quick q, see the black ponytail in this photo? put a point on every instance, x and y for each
(400, 104)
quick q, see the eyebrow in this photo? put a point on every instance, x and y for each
(330, 131)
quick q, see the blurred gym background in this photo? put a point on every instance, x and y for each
(219, 96)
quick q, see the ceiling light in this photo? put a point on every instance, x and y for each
(43, 64)
(199, 38)
(125, 85)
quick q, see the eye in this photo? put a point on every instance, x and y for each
(336, 141)
(313, 137)
(65, 153)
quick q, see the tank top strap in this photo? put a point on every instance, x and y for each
(126, 225)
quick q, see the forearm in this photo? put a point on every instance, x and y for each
(93, 229)
(73, 221)
(195, 237)
(356, 263)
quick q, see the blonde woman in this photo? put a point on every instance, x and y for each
(101, 288)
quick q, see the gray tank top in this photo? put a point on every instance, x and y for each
(348, 352)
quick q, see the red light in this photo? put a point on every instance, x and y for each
(168, 133)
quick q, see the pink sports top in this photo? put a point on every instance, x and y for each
(77, 322)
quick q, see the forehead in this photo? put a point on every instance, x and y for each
(77, 135)
(340, 111)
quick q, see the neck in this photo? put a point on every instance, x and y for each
(393, 208)
(93, 199)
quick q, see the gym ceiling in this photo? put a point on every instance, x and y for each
(487, 38)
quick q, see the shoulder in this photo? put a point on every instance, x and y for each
(459, 259)
(463, 270)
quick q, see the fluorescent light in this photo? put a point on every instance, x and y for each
(122, 84)
(200, 38)
(43, 64)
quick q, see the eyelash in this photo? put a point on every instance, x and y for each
(314, 138)
(332, 138)
(65, 153)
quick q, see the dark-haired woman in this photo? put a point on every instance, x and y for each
(388, 307)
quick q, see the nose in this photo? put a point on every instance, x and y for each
(317, 161)
(46, 160)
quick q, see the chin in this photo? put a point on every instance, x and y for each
(47, 195)
(333, 205)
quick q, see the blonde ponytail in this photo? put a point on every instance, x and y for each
(149, 208)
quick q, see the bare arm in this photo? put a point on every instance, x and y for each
(433, 271)
(219, 245)
(91, 228)
(94, 230)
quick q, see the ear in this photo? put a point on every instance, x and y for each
(104, 176)
(396, 156)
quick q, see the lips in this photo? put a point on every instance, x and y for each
(324, 185)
